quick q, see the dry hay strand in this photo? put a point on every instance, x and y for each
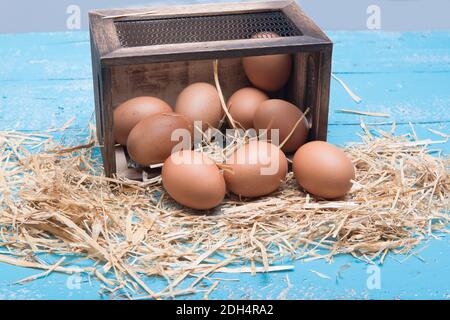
(56, 200)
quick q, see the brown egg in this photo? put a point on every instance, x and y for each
(282, 115)
(200, 102)
(323, 170)
(256, 169)
(193, 180)
(150, 141)
(243, 104)
(271, 72)
(129, 113)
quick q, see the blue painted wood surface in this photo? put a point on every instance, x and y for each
(45, 79)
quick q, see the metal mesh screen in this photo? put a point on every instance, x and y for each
(137, 33)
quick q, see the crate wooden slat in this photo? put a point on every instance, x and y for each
(163, 70)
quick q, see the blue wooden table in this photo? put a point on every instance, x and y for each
(45, 79)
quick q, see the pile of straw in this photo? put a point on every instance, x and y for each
(55, 200)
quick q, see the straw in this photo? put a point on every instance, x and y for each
(363, 113)
(352, 95)
(55, 200)
(219, 90)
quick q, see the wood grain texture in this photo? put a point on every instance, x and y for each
(213, 50)
(45, 79)
(103, 35)
(195, 10)
(38, 57)
(305, 23)
(167, 80)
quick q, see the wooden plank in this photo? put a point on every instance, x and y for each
(343, 134)
(106, 117)
(303, 22)
(167, 80)
(32, 102)
(213, 50)
(312, 96)
(66, 55)
(40, 105)
(296, 90)
(407, 97)
(391, 52)
(323, 92)
(97, 86)
(114, 85)
(104, 35)
(197, 10)
(414, 97)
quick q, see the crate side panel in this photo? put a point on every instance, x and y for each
(167, 80)
(296, 88)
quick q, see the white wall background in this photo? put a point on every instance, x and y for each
(51, 15)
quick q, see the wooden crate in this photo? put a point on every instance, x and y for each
(160, 51)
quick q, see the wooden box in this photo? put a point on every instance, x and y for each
(159, 51)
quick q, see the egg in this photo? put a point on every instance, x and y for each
(192, 179)
(270, 72)
(255, 169)
(131, 112)
(150, 141)
(242, 106)
(323, 170)
(200, 102)
(282, 115)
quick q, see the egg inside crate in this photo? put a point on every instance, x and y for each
(242, 106)
(192, 179)
(269, 72)
(255, 169)
(153, 139)
(131, 112)
(200, 102)
(284, 116)
(323, 170)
